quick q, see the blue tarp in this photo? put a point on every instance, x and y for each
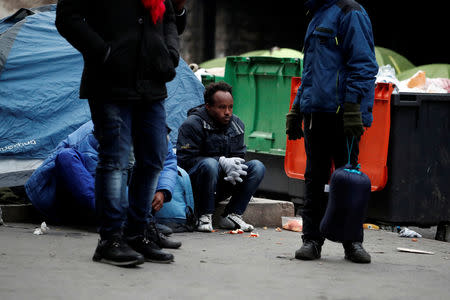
(39, 87)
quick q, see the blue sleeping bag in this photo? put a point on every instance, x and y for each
(347, 205)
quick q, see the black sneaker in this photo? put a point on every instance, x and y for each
(161, 239)
(310, 250)
(117, 252)
(356, 253)
(149, 249)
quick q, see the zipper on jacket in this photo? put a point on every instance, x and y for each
(337, 90)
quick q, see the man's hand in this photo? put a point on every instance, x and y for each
(294, 119)
(234, 167)
(158, 201)
(353, 125)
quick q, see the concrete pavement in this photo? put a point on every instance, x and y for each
(219, 265)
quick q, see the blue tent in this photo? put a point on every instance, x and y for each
(39, 87)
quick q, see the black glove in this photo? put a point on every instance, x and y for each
(352, 120)
(294, 120)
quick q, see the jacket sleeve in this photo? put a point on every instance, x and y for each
(239, 148)
(190, 137)
(168, 177)
(181, 22)
(355, 34)
(71, 24)
(171, 33)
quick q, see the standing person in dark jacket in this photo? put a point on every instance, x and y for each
(130, 50)
(211, 148)
(335, 101)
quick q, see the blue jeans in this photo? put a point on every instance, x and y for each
(209, 186)
(118, 126)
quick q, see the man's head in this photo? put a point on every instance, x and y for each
(219, 102)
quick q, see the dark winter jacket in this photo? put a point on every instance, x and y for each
(141, 58)
(200, 137)
(339, 62)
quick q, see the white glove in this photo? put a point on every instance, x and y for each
(234, 177)
(232, 164)
(234, 167)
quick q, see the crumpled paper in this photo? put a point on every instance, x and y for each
(406, 232)
(41, 230)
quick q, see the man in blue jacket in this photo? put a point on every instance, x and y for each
(335, 102)
(62, 188)
(210, 147)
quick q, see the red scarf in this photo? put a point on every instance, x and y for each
(156, 8)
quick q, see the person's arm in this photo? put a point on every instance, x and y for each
(71, 24)
(171, 33)
(189, 143)
(180, 14)
(355, 36)
(168, 176)
(239, 148)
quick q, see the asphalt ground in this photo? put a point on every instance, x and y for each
(219, 265)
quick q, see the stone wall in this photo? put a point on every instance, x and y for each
(226, 27)
(230, 27)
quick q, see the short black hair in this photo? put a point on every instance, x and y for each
(214, 87)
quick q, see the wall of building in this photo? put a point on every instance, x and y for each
(228, 27)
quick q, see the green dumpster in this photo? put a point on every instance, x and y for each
(261, 92)
(210, 78)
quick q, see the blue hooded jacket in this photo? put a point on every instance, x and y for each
(339, 62)
(41, 186)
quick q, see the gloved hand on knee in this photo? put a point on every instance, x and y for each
(233, 178)
(234, 168)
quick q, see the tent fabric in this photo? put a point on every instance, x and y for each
(431, 71)
(40, 75)
(386, 56)
(220, 62)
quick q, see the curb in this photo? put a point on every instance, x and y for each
(262, 212)
(18, 213)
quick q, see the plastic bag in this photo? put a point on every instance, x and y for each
(387, 74)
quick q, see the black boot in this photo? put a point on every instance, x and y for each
(310, 250)
(149, 249)
(164, 229)
(355, 252)
(117, 252)
(160, 239)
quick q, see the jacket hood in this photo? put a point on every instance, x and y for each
(203, 114)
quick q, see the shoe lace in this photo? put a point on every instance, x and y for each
(117, 242)
(205, 219)
(238, 219)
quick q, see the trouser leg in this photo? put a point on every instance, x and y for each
(112, 129)
(204, 178)
(318, 143)
(150, 150)
(242, 192)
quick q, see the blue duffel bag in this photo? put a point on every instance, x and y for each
(348, 198)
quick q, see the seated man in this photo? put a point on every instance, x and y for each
(62, 188)
(210, 147)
